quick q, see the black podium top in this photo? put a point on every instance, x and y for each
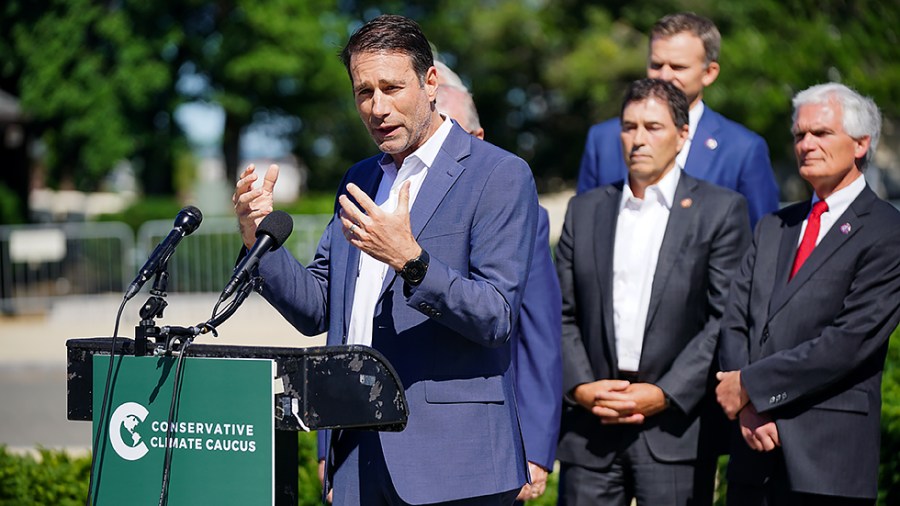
(325, 387)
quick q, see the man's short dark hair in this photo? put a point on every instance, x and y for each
(642, 89)
(701, 27)
(391, 33)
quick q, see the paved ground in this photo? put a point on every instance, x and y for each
(33, 357)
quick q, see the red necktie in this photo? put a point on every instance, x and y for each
(809, 235)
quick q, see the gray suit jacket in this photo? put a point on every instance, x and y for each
(707, 232)
(811, 350)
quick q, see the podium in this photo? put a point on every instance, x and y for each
(314, 388)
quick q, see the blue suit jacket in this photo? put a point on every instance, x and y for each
(538, 357)
(722, 152)
(448, 338)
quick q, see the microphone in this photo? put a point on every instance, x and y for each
(273, 230)
(187, 220)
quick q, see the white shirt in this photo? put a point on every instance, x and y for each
(640, 228)
(693, 119)
(372, 272)
(838, 202)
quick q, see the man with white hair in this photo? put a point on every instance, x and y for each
(810, 313)
(536, 339)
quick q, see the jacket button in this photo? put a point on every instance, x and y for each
(765, 335)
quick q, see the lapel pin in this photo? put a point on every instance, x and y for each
(686, 203)
(712, 143)
(846, 228)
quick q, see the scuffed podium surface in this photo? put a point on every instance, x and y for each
(324, 387)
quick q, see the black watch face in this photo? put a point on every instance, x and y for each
(414, 271)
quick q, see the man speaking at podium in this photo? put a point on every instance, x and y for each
(425, 260)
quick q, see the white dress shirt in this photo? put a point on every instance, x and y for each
(640, 228)
(838, 202)
(372, 272)
(693, 119)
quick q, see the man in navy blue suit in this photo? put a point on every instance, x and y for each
(536, 341)
(426, 260)
(684, 50)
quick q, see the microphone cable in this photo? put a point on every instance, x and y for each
(170, 432)
(98, 435)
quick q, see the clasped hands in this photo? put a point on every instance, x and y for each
(758, 429)
(385, 236)
(620, 401)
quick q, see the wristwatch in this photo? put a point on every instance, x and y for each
(414, 270)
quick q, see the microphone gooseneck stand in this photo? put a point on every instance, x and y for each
(167, 341)
(151, 310)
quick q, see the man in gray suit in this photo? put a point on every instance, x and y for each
(644, 266)
(806, 330)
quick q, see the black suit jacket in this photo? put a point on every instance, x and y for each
(707, 232)
(811, 350)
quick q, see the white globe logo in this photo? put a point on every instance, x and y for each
(124, 419)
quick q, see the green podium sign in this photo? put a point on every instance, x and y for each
(220, 439)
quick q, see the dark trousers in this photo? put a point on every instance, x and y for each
(362, 477)
(775, 490)
(635, 474)
(740, 494)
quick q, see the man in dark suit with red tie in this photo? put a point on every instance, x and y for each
(810, 313)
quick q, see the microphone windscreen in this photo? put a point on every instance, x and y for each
(188, 219)
(278, 225)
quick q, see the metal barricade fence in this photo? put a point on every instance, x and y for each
(205, 260)
(39, 263)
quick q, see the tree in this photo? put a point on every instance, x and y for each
(81, 75)
(272, 58)
(101, 80)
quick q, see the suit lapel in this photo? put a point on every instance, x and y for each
(368, 181)
(846, 226)
(605, 220)
(441, 176)
(703, 145)
(677, 228)
(787, 249)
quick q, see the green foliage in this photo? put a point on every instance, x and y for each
(9, 206)
(101, 80)
(279, 58)
(82, 74)
(58, 478)
(51, 478)
(165, 208)
(309, 489)
(146, 209)
(316, 202)
(889, 479)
